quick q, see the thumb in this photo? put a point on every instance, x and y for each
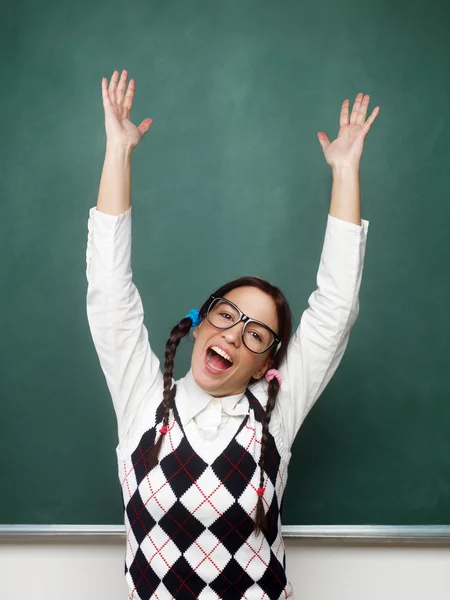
(145, 126)
(323, 139)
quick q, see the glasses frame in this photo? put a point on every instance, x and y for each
(245, 319)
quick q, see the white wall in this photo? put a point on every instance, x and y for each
(93, 570)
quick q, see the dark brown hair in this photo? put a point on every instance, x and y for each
(284, 333)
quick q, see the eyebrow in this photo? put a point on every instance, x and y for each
(253, 318)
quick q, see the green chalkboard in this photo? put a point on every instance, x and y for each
(231, 180)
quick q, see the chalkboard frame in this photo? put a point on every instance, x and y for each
(341, 534)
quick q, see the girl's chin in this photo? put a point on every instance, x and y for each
(214, 385)
(209, 381)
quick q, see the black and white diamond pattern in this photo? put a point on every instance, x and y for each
(233, 582)
(181, 525)
(190, 524)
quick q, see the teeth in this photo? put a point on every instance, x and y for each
(222, 353)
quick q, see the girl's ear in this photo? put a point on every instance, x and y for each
(194, 333)
(263, 370)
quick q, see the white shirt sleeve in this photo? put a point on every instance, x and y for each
(319, 343)
(116, 320)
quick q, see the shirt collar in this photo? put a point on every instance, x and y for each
(191, 399)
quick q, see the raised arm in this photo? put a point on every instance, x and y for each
(114, 307)
(122, 137)
(320, 341)
(344, 157)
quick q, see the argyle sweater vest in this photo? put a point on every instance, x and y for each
(189, 523)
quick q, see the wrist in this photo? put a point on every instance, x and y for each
(118, 151)
(345, 169)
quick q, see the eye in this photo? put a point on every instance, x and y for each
(226, 315)
(256, 336)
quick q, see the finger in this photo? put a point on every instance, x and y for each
(113, 86)
(370, 120)
(107, 105)
(121, 87)
(344, 113)
(323, 139)
(356, 108)
(145, 126)
(362, 112)
(128, 101)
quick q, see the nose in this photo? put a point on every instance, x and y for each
(234, 335)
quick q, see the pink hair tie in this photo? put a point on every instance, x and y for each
(273, 373)
(163, 429)
(260, 491)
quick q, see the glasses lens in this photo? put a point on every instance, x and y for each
(222, 314)
(257, 337)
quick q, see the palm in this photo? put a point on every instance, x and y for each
(347, 148)
(121, 123)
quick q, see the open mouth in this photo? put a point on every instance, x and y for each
(217, 360)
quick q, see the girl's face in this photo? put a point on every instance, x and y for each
(231, 379)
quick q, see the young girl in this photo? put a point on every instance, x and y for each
(203, 461)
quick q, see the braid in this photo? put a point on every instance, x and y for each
(260, 518)
(177, 333)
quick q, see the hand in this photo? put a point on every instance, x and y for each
(120, 131)
(347, 148)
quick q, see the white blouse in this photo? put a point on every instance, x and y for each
(132, 371)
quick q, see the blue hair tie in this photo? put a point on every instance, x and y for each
(195, 317)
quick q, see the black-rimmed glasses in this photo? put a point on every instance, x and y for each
(256, 336)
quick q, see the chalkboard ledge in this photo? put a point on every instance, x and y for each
(351, 534)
